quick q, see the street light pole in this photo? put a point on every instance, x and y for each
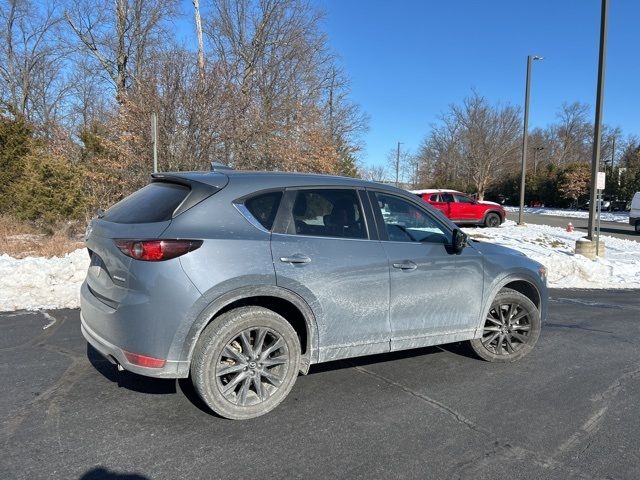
(597, 131)
(525, 134)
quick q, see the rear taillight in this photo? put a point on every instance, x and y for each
(144, 360)
(156, 250)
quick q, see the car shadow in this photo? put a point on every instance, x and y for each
(458, 348)
(128, 380)
(158, 386)
(100, 473)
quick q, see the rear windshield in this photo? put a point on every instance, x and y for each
(154, 203)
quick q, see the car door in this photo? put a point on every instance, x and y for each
(465, 207)
(322, 251)
(435, 295)
(437, 201)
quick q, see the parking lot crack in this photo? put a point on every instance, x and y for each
(500, 448)
(457, 416)
(593, 423)
(47, 401)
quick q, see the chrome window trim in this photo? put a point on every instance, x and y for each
(244, 211)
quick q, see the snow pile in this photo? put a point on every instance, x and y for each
(554, 248)
(620, 217)
(36, 282)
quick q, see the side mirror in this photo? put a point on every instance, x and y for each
(459, 241)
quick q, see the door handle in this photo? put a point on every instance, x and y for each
(406, 265)
(297, 258)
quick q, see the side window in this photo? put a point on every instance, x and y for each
(405, 222)
(434, 198)
(447, 197)
(463, 199)
(328, 213)
(264, 207)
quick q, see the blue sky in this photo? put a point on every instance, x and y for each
(408, 60)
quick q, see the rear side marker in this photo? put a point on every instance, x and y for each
(144, 361)
(156, 250)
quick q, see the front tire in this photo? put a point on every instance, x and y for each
(511, 328)
(492, 220)
(246, 362)
(638, 226)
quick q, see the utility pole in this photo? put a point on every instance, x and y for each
(398, 164)
(525, 134)
(597, 131)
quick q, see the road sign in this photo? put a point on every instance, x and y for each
(601, 181)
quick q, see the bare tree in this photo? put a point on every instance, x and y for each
(119, 36)
(569, 139)
(475, 142)
(439, 157)
(286, 93)
(399, 166)
(32, 79)
(374, 173)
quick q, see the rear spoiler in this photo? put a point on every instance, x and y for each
(199, 190)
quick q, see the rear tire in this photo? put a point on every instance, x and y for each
(246, 362)
(511, 328)
(638, 226)
(492, 220)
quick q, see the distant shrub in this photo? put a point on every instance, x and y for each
(16, 143)
(49, 190)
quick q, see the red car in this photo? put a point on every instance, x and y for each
(462, 209)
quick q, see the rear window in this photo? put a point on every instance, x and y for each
(154, 203)
(264, 208)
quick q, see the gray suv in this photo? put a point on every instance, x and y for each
(242, 280)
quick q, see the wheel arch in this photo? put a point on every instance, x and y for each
(519, 282)
(291, 306)
(493, 210)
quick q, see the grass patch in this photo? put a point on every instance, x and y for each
(23, 239)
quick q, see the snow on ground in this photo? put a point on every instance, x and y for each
(36, 282)
(554, 248)
(620, 217)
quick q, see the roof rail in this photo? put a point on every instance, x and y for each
(219, 167)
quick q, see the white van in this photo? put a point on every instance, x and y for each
(634, 214)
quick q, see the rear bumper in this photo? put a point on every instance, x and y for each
(116, 355)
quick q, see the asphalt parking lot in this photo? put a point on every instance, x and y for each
(569, 410)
